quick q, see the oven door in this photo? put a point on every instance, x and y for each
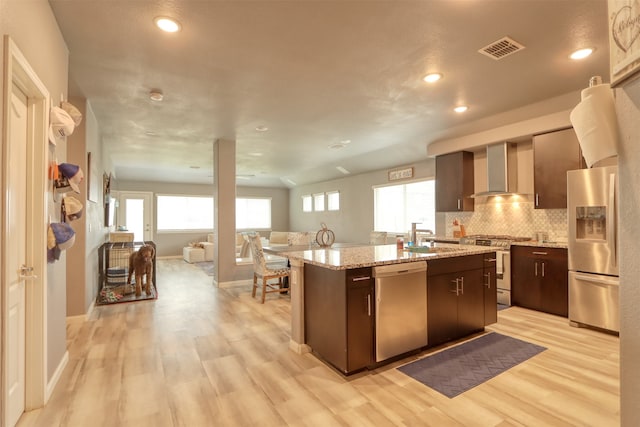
(503, 276)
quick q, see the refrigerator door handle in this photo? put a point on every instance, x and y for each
(611, 220)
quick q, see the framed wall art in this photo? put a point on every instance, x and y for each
(404, 173)
(624, 39)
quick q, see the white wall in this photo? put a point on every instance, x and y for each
(354, 221)
(628, 109)
(33, 28)
(82, 258)
(95, 229)
(171, 244)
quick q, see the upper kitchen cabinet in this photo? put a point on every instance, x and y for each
(554, 154)
(454, 182)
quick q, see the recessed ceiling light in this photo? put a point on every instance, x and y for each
(168, 25)
(433, 77)
(345, 141)
(291, 182)
(156, 95)
(343, 170)
(581, 53)
(262, 128)
(255, 154)
(461, 109)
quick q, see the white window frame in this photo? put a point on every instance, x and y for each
(319, 202)
(407, 217)
(182, 230)
(307, 203)
(330, 196)
(251, 227)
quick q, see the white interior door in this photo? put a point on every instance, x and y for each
(135, 212)
(17, 270)
(23, 294)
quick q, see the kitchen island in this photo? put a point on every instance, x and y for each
(337, 286)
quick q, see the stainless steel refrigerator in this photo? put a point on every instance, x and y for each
(592, 199)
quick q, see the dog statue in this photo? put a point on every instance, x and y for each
(141, 262)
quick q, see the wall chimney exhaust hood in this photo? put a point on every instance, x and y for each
(502, 170)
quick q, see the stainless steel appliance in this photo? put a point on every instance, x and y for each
(502, 243)
(593, 247)
(401, 308)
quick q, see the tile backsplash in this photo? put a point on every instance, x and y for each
(515, 218)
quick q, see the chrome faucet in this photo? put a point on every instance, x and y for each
(415, 230)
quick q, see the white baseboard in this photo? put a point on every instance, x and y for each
(298, 348)
(90, 310)
(51, 385)
(82, 317)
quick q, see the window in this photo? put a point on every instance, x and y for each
(176, 213)
(307, 203)
(333, 200)
(318, 202)
(397, 206)
(253, 213)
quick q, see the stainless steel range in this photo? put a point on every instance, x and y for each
(502, 243)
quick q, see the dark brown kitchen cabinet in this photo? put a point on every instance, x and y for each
(490, 289)
(554, 154)
(539, 279)
(455, 298)
(339, 323)
(454, 182)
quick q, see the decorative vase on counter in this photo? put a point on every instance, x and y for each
(325, 237)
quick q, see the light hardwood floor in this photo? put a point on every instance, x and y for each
(202, 356)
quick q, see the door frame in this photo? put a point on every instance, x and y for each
(18, 71)
(123, 194)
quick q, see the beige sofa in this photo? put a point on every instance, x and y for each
(290, 238)
(279, 238)
(239, 242)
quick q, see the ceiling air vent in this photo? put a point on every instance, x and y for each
(501, 48)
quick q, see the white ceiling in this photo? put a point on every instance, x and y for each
(315, 73)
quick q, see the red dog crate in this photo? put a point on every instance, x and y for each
(113, 267)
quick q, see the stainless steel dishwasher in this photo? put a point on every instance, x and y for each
(401, 308)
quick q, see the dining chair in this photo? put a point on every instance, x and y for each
(263, 271)
(245, 249)
(378, 238)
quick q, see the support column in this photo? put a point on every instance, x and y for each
(224, 221)
(296, 281)
(628, 109)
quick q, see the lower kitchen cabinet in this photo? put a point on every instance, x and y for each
(338, 307)
(490, 289)
(455, 298)
(539, 279)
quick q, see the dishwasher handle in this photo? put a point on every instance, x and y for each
(399, 269)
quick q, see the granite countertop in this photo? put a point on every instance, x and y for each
(368, 256)
(559, 245)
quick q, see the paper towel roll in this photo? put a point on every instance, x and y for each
(595, 123)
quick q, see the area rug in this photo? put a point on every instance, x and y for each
(206, 266)
(458, 369)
